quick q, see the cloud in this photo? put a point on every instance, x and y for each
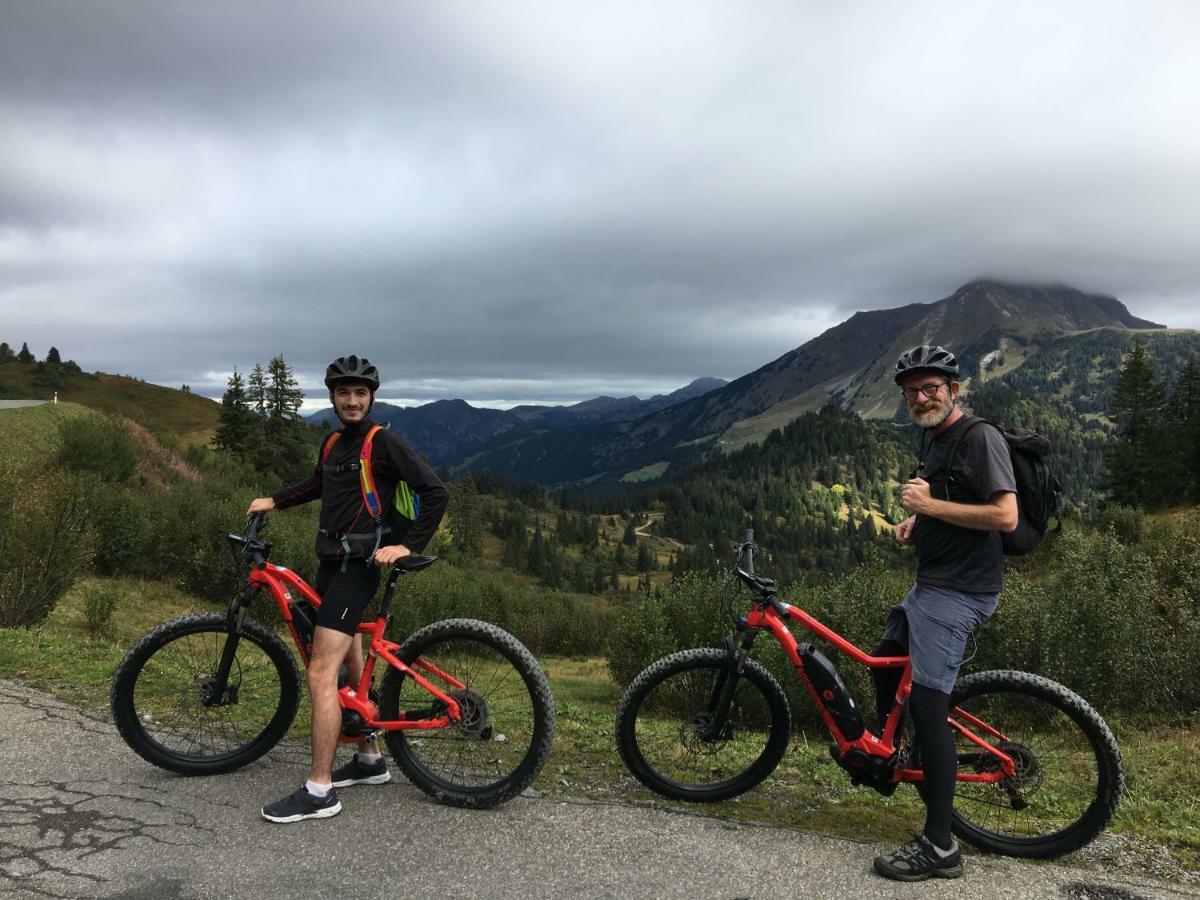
(520, 200)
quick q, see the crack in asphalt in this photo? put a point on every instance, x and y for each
(44, 821)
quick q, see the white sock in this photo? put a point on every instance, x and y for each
(369, 759)
(320, 791)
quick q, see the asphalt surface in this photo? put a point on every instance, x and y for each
(18, 404)
(82, 816)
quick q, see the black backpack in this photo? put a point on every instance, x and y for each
(1039, 494)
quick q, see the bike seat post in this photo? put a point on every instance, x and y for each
(385, 605)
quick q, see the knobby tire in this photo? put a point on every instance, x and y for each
(157, 689)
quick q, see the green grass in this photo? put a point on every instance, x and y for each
(1160, 815)
(647, 473)
(31, 432)
(190, 417)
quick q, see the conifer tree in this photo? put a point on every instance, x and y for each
(629, 539)
(256, 393)
(1136, 463)
(236, 422)
(284, 396)
(25, 356)
(466, 518)
(53, 358)
(1183, 413)
(6, 352)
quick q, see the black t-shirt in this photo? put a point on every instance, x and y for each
(949, 556)
(338, 485)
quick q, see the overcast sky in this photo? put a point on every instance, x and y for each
(513, 202)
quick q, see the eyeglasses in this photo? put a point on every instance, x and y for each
(929, 390)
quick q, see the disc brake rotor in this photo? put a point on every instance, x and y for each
(476, 716)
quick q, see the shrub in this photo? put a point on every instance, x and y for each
(45, 542)
(546, 621)
(99, 606)
(100, 445)
(1126, 522)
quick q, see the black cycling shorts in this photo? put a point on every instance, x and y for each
(345, 595)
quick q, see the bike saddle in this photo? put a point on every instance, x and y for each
(415, 563)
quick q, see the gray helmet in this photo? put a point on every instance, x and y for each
(926, 359)
(352, 368)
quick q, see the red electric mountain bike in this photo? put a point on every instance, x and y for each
(464, 707)
(1039, 772)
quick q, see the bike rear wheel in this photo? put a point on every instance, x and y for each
(668, 739)
(165, 708)
(1069, 772)
(502, 741)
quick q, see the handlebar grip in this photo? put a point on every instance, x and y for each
(746, 556)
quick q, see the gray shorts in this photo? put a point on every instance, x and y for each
(934, 623)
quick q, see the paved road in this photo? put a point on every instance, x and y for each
(81, 816)
(18, 404)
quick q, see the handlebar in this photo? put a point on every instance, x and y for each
(251, 546)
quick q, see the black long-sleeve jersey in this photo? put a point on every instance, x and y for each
(339, 488)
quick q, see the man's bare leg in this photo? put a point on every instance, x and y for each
(329, 649)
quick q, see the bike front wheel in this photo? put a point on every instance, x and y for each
(1069, 776)
(669, 739)
(166, 706)
(503, 738)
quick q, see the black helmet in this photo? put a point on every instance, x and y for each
(352, 368)
(926, 359)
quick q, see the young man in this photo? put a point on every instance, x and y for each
(350, 552)
(959, 508)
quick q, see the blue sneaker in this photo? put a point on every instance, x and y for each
(303, 805)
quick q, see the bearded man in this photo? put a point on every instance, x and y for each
(959, 509)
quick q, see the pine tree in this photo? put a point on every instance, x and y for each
(25, 356)
(53, 358)
(1136, 463)
(283, 395)
(645, 562)
(629, 539)
(466, 517)
(236, 422)
(256, 393)
(1183, 412)
(6, 352)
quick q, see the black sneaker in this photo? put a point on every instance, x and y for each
(302, 805)
(358, 772)
(918, 860)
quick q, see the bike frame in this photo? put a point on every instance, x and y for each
(284, 585)
(770, 615)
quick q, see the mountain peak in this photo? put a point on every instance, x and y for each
(1059, 306)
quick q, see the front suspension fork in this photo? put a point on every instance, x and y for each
(216, 687)
(721, 698)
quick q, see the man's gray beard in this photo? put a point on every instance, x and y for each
(936, 418)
